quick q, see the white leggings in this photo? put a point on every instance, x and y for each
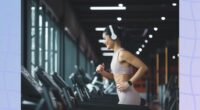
(129, 96)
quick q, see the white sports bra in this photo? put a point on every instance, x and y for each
(116, 67)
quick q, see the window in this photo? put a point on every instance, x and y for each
(46, 45)
(70, 57)
(43, 40)
(32, 38)
(82, 61)
(56, 61)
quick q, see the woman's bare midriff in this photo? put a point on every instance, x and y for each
(122, 77)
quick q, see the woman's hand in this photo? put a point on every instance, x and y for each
(100, 68)
(122, 86)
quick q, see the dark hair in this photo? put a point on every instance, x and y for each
(119, 31)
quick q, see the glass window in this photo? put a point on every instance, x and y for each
(32, 38)
(51, 50)
(46, 45)
(33, 16)
(70, 57)
(40, 40)
(56, 51)
(43, 39)
(82, 61)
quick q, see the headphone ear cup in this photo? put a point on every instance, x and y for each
(114, 37)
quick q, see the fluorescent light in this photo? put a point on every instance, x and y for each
(119, 18)
(140, 49)
(108, 54)
(66, 29)
(150, 36)
(173, 57)
(104, 49)
(32, 8)
(91, 61)
(146, 41)
(174, 4)
(101, 40)
(163, 18)
(143, 45)
(145, 32)
(107, 8)
(100, 28)
(137, 52)
(40, 8)
(120, 5)
(28, 102)
(155, 28)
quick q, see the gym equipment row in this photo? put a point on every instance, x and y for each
(46, 92)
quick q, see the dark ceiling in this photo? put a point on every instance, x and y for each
(139, 15)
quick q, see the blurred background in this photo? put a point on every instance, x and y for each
(57, 35)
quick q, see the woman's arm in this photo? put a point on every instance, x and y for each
(135, 61)
(107, 75)
(101, 70)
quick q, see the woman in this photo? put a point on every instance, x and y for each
(122, 66)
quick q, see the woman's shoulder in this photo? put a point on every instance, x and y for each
(125, 54)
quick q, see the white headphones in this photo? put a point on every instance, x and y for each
(113, 35)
